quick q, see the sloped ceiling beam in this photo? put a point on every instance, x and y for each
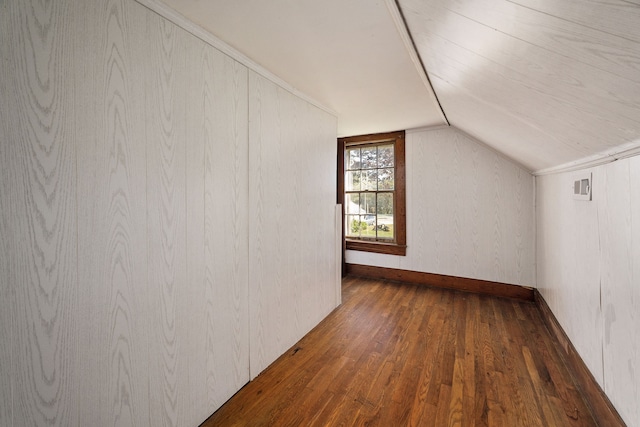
(401, 25)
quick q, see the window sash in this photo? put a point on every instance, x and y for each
(397, 245)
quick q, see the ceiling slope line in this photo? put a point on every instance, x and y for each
(617, 153)
(407, 39)
(207, 37)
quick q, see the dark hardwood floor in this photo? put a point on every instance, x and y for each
(400, 354)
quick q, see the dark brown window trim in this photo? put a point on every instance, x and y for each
(399, 247)
(377, 247)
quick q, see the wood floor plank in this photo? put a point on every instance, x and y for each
(403, 354)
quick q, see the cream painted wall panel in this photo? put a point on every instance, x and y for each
(290, 227)
(469, 212)
(436, 158)
(634, 179)
(7, 265)
(124, 218)
(466, 196)
(192, 305)
(338, 253)
(567, 249)
(262, 132)
(9, 214)
(318, 159)
(41, 193)
(370, 258)
(166, 170)
(521, 227)
(619, 308)
(580, 219)
(112, 233)
(226, 201)
(587, 272)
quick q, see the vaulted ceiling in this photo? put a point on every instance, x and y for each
(545, 82)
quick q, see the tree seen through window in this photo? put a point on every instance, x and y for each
(369, 187)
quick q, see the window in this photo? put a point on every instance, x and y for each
(371, 186)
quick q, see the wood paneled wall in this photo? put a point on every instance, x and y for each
(40, 306)
(470, 212)
(125, 218)
(292, 224)
(113, 332)
(588, 272)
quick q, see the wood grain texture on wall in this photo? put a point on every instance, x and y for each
(226, 228)
(634, 366)
(469, 212)
(570, 261)
(112, 235)
(39, 196)
(166, 144)
(193, 308)
(619, 308)
(8, 200)
(7, 299)
(124, 218)
(588, 273)
(291, 227)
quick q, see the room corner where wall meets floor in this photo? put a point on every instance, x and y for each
(588, 273)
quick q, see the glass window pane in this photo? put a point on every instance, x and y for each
(352, 225)
(352, 158)
(385, 204)
(369, 178)
(368, 203)
(385, 229)
(368, 226)
(385, 179)
(352, 204)
(385, 216)
(385, 156)
(369, 158)
(352, 181)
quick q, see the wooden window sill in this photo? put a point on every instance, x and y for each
(377, 247)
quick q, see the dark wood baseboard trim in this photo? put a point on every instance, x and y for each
(602, 410)
(441, 281)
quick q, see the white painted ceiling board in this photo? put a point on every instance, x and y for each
(474, 113)
(581, 43)
(559, 84)
(542, 107)
(616, 17)
(348, 56)
(546, 83)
